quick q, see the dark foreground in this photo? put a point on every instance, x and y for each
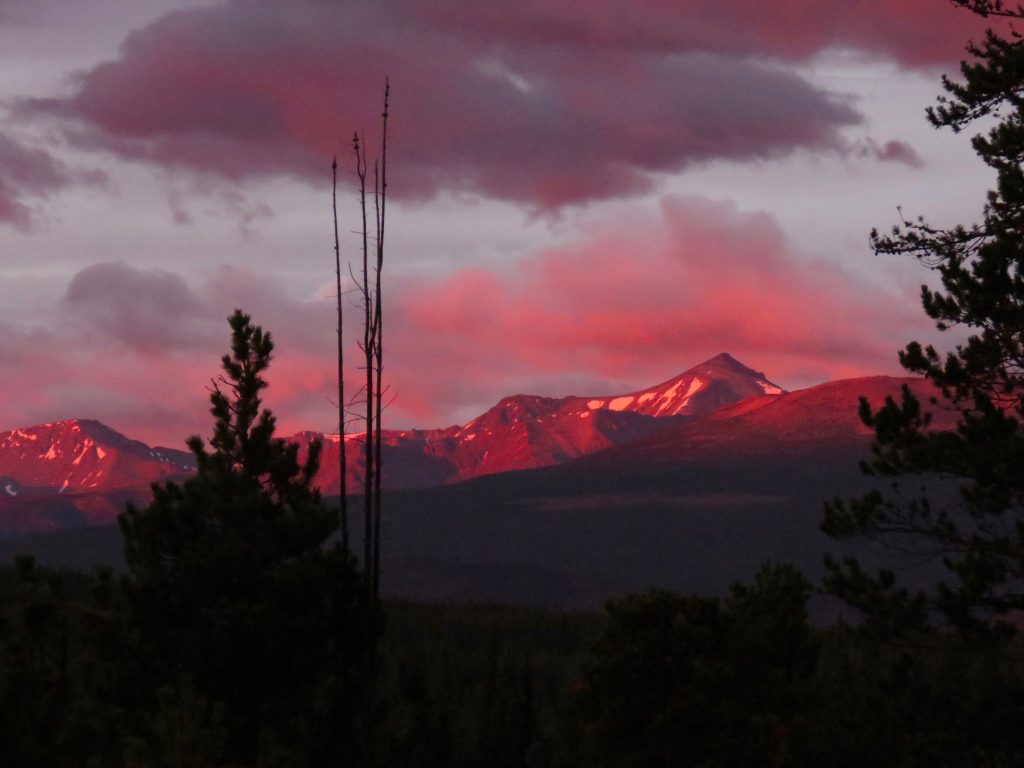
(657, 679)
(571, 537)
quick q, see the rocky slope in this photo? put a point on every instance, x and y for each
(81, 472)
(527, 431)
(77, 472)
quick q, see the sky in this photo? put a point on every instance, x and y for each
(585, 197)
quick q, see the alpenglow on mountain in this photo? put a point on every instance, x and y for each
(77, 472)
(80, 472)
(528, 431)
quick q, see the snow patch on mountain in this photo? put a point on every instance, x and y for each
(695, 386)
(85, 449)
(519, 432)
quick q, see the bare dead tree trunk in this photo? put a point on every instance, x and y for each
(369, 348)
(370, 288)
(381, 189)
(343, 490)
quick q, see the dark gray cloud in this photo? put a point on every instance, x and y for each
(147, 310)
(548, 108)
(27, 174)
(155, 311)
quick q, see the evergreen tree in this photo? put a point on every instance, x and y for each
(59, 654)
(680, 680)
(244, 618)
(978, 527)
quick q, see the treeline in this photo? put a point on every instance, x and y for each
(661, 679)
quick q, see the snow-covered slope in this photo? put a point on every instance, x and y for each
(720, 381)
(81, 455)
(806, 422)
(93, 469)
(77, 472)
(528, 431)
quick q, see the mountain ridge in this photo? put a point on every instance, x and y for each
(530, 431)
(718, 402)
(693, 508)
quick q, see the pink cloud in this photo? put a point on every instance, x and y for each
(891, 152)
(534, 102)
(632, 303)
(48, 375)
(137, 349)
(899, 152)
(698, 279)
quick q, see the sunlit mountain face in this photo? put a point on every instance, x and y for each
(527, 431)
(83, 455)
(79, 472)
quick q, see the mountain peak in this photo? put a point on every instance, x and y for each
(75, 455)
(84, 456)
(722, 380)
(724, 357)
(728, 362)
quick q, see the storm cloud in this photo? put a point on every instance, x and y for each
(535, 103)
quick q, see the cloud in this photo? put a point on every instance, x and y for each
(621, 309)
(49, 374)
(899, 152)
(153, 311)
(27, 173)
(136, 348)
(915, 33)
(147, 310)
(636, 300)
(890, 152)
(531, 102)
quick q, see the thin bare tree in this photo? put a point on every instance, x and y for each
(370, 286)
(343, 491)
(380, 200)
(368, 347)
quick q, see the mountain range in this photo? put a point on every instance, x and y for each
(689, 484)
(527, 431)
(81, 472)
